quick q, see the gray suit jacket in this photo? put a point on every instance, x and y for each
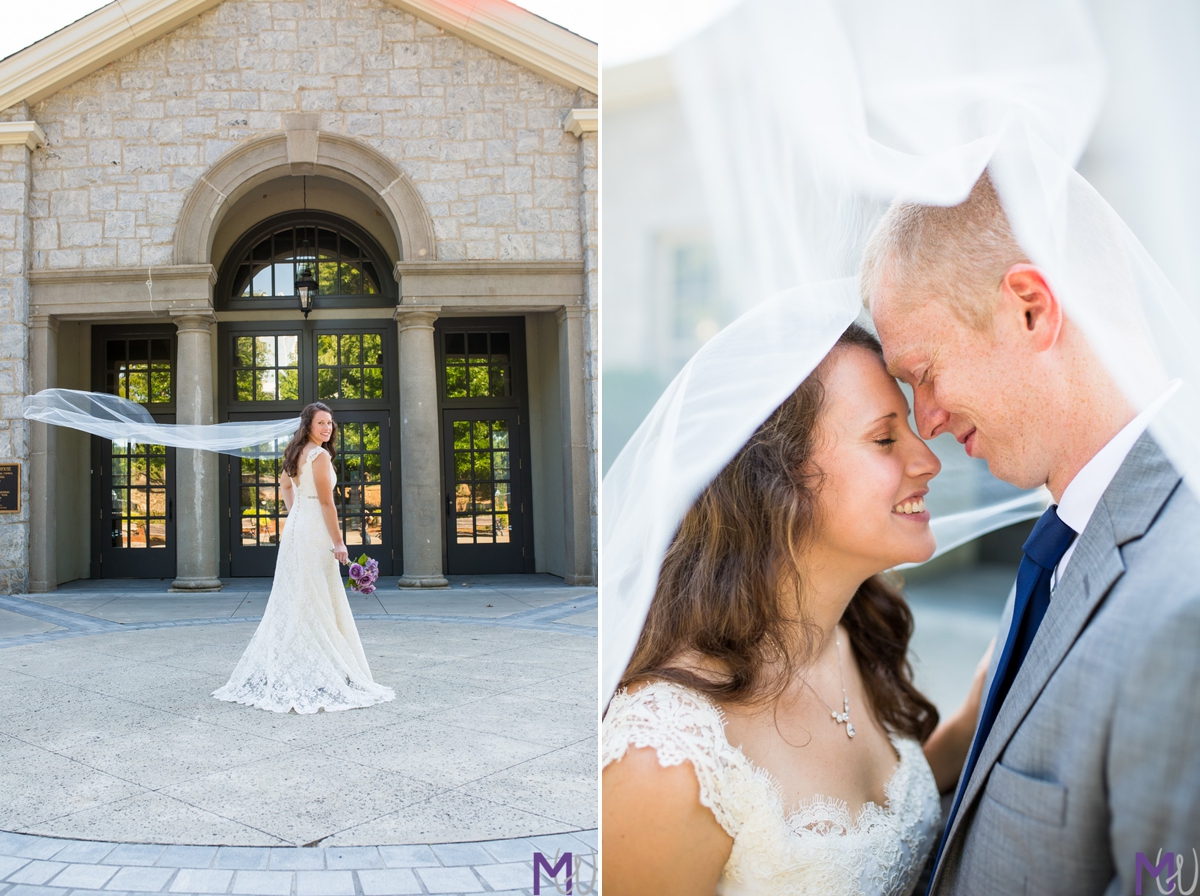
(1095, 754)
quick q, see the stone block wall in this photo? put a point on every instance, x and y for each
(15, 237)
(589, 212)
(481, 137)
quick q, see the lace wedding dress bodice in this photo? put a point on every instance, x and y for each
(305, 654)
(816, 848)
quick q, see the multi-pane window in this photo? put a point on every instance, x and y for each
(266, 368)
(338, 263)
(360, 483)
(482, 488)
(349, 365)
(139, 369)
(478, 365)
(139, 495)
(260, 508)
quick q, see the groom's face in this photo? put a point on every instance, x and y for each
(967, 382)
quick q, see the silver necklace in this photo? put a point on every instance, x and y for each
(843, 717)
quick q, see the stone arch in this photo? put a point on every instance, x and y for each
(302, 149)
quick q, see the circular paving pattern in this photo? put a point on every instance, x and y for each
(113, 736)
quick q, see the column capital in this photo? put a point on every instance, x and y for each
(416, 316)
(582, 121)
(43, 321)
(572, 312)
(194, 321)
(22, 133)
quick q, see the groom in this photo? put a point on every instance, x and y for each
(1085, 771)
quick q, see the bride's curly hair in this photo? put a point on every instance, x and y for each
(291, 455)
(730, 589)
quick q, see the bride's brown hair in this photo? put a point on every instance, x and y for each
(291, 455)
(730, 589)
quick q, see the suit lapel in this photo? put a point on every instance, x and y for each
(1134, 498)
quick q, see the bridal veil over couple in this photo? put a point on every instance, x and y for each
(764, 734)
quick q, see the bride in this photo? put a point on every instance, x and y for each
(305, 655)
(766, 736)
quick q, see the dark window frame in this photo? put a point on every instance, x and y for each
(224, 300)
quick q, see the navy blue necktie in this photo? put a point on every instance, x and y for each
(1043, 549)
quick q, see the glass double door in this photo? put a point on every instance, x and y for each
(484, 508)
(273, 374)
(133, 496)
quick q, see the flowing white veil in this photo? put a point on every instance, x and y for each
(120, 419)
(808, 118)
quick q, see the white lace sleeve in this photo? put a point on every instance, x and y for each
(681, 726)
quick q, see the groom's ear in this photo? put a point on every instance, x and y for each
(1026, 293)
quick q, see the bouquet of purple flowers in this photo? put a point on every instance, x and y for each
(363, 574)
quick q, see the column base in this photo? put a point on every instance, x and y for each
(422, 582)
(36, 587)
(579, 580)
(195, 583)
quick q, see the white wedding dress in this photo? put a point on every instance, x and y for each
(305, 654)
(816, 848)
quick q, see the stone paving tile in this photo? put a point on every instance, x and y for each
(508, 876)
(460, 853)
(242, 857)
(91, 877)
(10, 865)
(151, 880)
(325, 883)
(389, 882)
(36, 872)
(263, 883)
(84, 851)
(407, 856)
(296, 859)
(194, 880)
(38, 848)
(449, 880)
(353, 857)
(30, 890)
(507, 851)
(187, 856)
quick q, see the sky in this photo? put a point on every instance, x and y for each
(638, 29)
(28, 22)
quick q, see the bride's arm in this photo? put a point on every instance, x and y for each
(322, 470)
(659, 840)
(948, 746)
(287, 490)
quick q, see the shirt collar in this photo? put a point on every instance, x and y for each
(1083, 493)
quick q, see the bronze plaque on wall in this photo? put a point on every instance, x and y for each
(10, 488)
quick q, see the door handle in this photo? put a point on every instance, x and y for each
(170, 509)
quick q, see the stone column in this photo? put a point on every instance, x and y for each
(197, 522)
(577, 480)
(43, 540)
(420, 450)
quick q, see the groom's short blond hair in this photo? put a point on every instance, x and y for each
(957, 255)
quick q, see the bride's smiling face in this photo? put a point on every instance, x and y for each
(321, 427)
(876, 469)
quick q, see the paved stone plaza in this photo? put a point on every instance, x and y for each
(121, 773)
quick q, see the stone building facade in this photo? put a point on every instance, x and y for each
(170, 168)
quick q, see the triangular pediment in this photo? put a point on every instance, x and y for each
(121, 27)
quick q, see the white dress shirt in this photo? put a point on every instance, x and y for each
(1083, 493)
